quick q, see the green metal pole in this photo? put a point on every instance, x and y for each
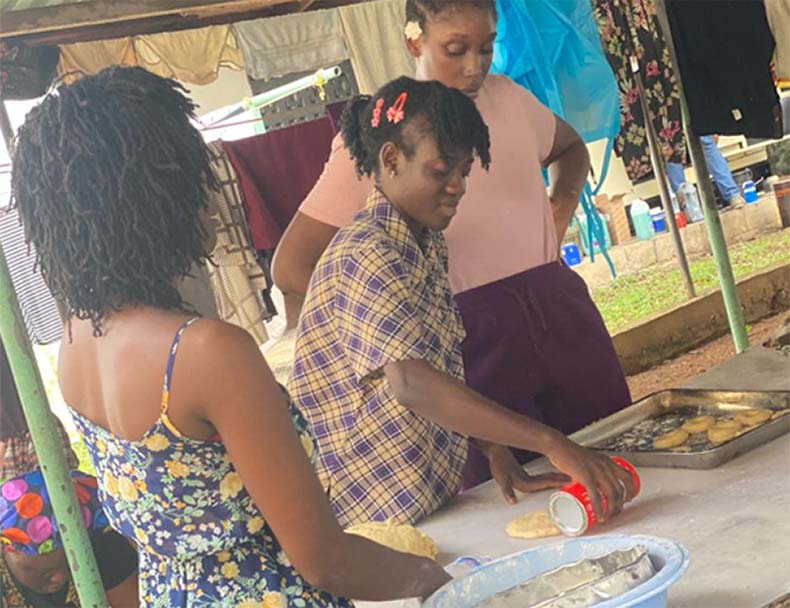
(729, 289)
(49, 446)
(661, 177)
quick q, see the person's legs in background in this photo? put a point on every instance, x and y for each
(721, 172)
(676, 175)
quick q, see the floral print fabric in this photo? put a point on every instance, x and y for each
(201, 539)
(631, 28)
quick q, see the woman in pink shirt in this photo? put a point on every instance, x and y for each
(535, 340)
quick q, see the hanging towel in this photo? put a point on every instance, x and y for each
(726, 72)
(277, 46)
(191, 56)
(237, 279)
(276, 171)
(39, 310)
(373, 32)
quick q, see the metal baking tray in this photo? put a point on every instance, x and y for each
(687, 403)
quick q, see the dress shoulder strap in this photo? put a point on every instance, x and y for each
(171, 361)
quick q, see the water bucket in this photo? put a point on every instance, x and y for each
(572, 254)
(750, 192)
(640, 216)
(659, 219)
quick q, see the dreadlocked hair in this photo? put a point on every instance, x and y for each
(420, 10)
(449, 115)
(109, 176)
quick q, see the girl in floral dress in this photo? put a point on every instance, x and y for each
(206, 473)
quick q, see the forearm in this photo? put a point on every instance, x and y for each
(568, 175)
(453, 405)
(366, 571)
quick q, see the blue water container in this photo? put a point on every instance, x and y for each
(750, 192)
(659, 219)
(571, 254)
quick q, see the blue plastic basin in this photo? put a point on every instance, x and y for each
(669, 558)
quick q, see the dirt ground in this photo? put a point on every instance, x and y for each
(676, 372)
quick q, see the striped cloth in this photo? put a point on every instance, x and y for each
(39, 310)
(237, 279)
(378, 296)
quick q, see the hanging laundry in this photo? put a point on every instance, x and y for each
(39, 310)
(238, 281)
(726, 72)
(631, 28)
(191, 56)
(276, 171)
(778, 12)
(277, 46)
(373, 32)
(552, 48)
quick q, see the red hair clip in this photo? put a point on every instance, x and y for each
(396, 114)
(376, 120)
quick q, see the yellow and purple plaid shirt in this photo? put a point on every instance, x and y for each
(378, 296)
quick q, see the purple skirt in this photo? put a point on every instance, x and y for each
(537, 345)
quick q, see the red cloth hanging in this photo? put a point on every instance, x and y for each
(277, 170)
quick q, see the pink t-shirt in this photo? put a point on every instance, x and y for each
(504, 224)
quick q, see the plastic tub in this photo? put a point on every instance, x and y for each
(669, 558)
(750, 192)
(659, 219)
(571, 254)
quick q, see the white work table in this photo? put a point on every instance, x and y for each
(734, 520)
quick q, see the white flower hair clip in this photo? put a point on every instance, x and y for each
(413, 30)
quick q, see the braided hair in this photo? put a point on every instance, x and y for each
(420, 10)
(109, 177)
(449, 115)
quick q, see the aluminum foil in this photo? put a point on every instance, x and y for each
(583, 583)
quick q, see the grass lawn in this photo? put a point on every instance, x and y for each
(632, 298)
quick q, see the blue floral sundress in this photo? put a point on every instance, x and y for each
(201, 539)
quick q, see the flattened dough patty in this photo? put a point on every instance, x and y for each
(700, 424)
(670, 440)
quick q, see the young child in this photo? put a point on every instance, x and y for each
(378, 369)
(33, 568)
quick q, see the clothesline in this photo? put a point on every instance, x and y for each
(318, 80)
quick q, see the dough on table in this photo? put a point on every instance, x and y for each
(724, 430)
(400, 537)
(780, 413)
(753, 417)
(532, 525)
(700, 424)
(670, 440)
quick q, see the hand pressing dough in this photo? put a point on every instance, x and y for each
(700, 424)
(400, 537)
(670, 440)
(753, 417)
(532, 525)
(724, 430)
